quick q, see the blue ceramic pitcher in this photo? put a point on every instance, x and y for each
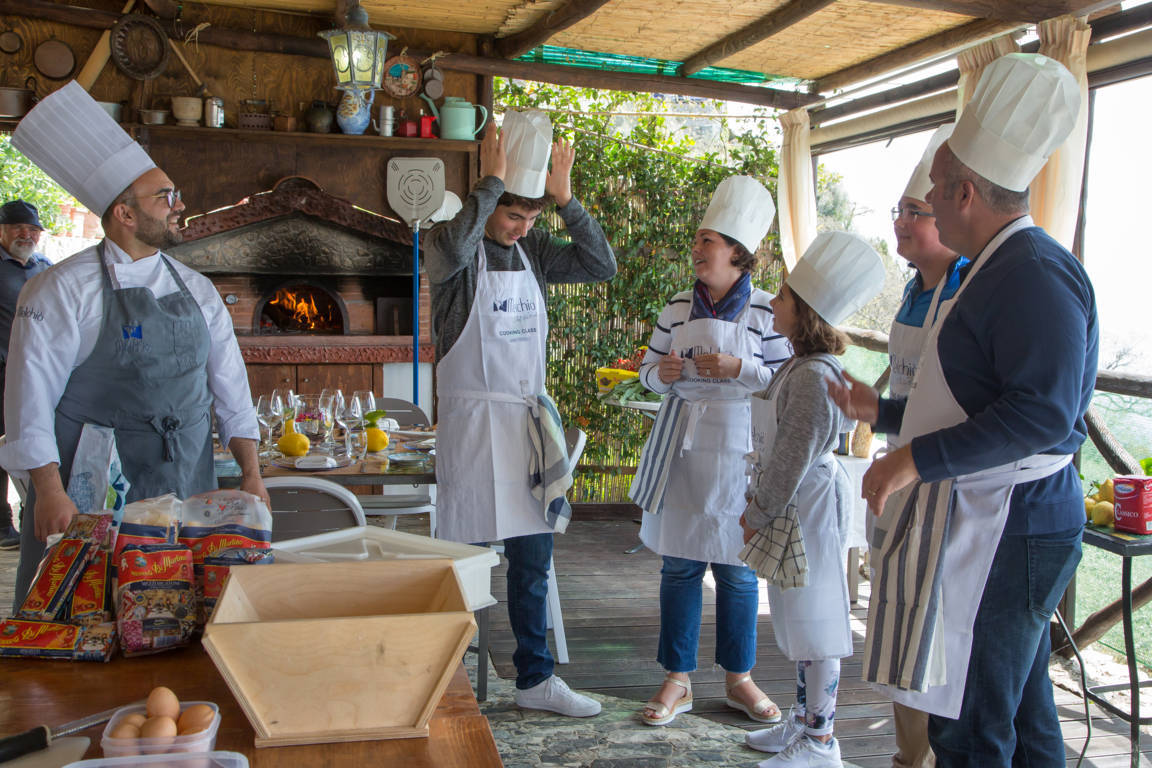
(355, 110)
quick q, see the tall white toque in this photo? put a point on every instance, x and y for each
(73, 140)
(1022, 110)
(742, 209)
(920, 184)
(527, 145)
(838, 274)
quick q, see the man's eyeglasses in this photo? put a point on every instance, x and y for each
(170, 196)
(897, 212)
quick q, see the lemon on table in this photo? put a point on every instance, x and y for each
(1103, 513)
(376, 438)
(292, 443)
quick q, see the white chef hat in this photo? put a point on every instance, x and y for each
(449, 208)
(528, 145)
(838, 274)
(73, 140)
(1022, 110)
(920, 184)
(742, 209)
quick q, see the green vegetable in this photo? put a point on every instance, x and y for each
(1146, 465)
(631, 391)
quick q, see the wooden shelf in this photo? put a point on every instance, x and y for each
(293, 137)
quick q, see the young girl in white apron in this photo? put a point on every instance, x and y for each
(800, 499)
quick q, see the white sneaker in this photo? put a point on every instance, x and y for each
(554, 695)
(778, 737)
(807, 752)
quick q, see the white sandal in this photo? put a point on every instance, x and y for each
(664, 714)
(756, 711)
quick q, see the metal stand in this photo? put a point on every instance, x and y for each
(481, 650)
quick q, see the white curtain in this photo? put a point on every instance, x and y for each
(796, 189)
(1055, 192)
(972, 62)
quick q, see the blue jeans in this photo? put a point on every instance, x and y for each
(1008, 717)
(528, 559)
(681, 600)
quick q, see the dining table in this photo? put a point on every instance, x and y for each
(49, 692)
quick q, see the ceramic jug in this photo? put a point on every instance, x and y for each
(457, 118)
(355, 110)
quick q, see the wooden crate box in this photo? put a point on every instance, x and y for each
(325, 652)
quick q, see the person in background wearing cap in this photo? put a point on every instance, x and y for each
(987, 435)
(20, 231)
(936, 280)
(712, 347)
(489, 273)
(795, 525)
(117, 335)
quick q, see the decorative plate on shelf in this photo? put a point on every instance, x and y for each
(401, 76)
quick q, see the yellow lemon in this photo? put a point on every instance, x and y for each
(1103, 513)
(377, 439)
(1089, 502)
(1105, 492)
(292, 443)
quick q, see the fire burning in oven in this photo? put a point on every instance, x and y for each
(301, 309)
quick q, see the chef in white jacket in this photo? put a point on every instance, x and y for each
(118, 335)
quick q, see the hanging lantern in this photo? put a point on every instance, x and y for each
(358, 52)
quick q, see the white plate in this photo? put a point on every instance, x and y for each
(407, 457)
(413, 434)
(289, 462)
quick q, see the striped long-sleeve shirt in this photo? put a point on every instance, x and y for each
(773, 348)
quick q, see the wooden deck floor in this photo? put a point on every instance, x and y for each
(611, 614)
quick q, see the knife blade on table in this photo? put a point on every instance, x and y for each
(12, 747)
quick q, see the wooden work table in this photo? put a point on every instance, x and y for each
(37, 692)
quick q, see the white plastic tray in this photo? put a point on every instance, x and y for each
(473, 564)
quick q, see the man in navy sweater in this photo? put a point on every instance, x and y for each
(997, 408)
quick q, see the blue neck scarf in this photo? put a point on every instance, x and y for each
(728, 308)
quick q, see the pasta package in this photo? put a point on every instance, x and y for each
(213, 572)
(155, 608)
(148, 521)
(54, 640)
(215, 523)
(50, 596)
(92, 597)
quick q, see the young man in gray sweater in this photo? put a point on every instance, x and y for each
(489, 272)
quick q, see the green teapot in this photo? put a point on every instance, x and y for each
(457, 118)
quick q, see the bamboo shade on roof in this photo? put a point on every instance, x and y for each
(839, 36)
(521, 16)
(660, 29)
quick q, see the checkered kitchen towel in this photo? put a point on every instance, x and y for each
(776, 552)
(549, 465)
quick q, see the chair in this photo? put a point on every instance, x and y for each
(396, 500)
(575, 438)
(304, 506)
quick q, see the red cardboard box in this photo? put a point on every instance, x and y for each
(1133, 500)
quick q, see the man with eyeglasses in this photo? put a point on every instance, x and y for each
(20, 231)
(118, 336)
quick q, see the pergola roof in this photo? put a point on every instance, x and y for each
(828, 44)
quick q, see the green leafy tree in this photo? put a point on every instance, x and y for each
(19, 178)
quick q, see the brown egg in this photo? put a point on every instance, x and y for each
(162, 702)
(124, 730)
(136, 718)
(160, 728)
(195, 719)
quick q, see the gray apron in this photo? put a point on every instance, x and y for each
(146, 379)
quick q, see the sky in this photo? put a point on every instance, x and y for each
(1118, 247)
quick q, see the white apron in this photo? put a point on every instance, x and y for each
(704, 498)
(811, 623)
(482, 384)
(978, 517)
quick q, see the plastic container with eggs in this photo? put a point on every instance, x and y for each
(163, 725)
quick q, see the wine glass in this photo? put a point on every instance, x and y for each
(367, 400)
(269, 413)
(287, 399)
(337, 398)
(355, 433)
(328, 410)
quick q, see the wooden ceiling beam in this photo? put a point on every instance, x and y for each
(238, 39)
(757, 31)
(1031, 11)
(546, 27)
(936, 45)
